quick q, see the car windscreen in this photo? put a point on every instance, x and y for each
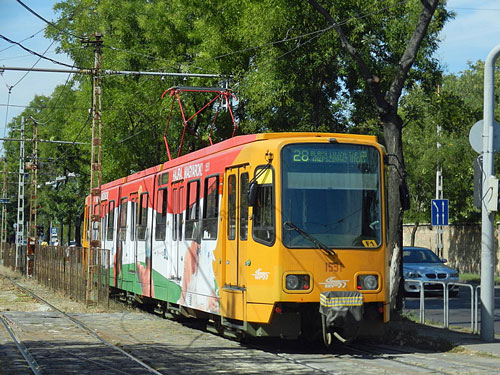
(420, 256)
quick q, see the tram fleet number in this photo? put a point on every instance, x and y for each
(333, 267)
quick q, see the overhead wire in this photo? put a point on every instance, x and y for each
(36, 62)
(25, 39)
(272, 43)
(49, 22)
(36, 53)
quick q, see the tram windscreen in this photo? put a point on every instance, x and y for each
(331, 191)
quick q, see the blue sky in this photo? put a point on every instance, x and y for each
(469, 37)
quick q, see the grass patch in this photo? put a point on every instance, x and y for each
(475, 278)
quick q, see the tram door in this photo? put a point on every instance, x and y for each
(177, 206)
(143, 243)
(237, 225)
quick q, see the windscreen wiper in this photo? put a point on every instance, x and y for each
(287, 225)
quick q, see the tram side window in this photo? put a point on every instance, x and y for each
(104, 219)
(178, 194)
(142, 220)
(95, 224)
(111, 221)
(161, 217)
(211, 208)
(244, 206)
(231, 207)
(192, 210)
(133, 215)
(263, 211)
(122, 231)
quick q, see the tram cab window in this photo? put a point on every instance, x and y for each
(332, 192)
(264, 229)
(192, 210)
(211, 208)
(161, 215)
(142, 220)
(111, 221)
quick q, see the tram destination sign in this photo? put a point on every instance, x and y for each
(302, 155)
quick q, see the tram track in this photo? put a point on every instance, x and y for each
(188, 348)
(29, 338)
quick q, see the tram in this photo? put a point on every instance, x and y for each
(276, 234)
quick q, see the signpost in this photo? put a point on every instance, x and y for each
(439, 212)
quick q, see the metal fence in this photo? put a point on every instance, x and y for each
(79, 273)
(474, 302)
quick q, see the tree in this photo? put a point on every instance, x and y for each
(457, 106)
(385, 84)
(292, 71)
(422, 113)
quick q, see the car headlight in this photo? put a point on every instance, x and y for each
(454, 274)
(297, 282)
(367, 282)
(412, 274)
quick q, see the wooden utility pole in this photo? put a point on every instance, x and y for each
(96, 166)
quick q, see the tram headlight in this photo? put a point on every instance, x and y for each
(368, 282)
(297, 282)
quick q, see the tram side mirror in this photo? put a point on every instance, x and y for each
(252, 193)
(404, 196)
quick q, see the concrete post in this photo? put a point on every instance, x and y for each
(487, 238)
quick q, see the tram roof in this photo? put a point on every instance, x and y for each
(228, 144)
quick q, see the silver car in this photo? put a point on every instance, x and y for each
(420, 263)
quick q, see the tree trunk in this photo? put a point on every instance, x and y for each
(393, 143)
(414, 233)
(78, 229)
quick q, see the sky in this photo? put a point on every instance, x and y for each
(467, 38)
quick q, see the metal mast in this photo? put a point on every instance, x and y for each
(4, 206)
(96, 166)
(20, 199)
(94, 226)
(439, 193)
(32, 236)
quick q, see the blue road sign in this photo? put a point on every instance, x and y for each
(439, 212)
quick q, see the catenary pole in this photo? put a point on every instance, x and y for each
(487, 238)
(94, 225)
(20, 200)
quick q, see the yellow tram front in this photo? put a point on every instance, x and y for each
(316, 259)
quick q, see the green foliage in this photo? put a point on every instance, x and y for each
(287, 67)
(455, 109)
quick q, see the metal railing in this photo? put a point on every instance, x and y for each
(476, 307)
(446, 302)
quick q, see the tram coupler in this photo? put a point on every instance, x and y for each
(340, 312)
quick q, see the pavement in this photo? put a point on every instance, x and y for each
(439, 338)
